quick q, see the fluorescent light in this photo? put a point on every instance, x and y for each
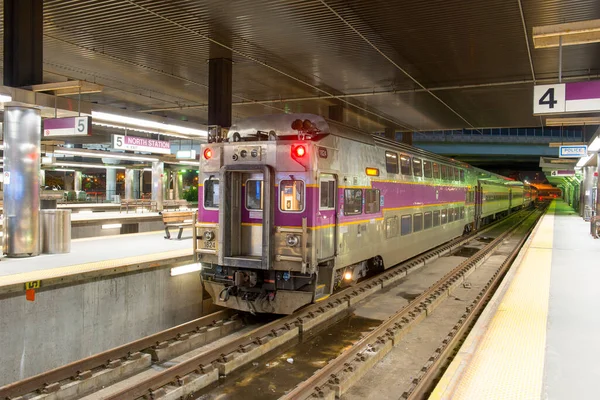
(582, 161)
(144, 123)
(85, 212)
(100, 154)
(84, 165)
(184, 269)
(190, 163)
(186, 154)
(574, 121)
(595, 145)
(63, 169)
(111, 226)
(5, 98)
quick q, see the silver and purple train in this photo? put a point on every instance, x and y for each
(292, 206)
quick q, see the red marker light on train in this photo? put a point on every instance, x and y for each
(207, 154)
(300, 151)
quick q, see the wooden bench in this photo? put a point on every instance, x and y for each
(135, 203)
(175, 203)
(177, 219)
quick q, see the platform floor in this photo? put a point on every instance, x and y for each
(538, 337)
(91, 250)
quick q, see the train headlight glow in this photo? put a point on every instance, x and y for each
(292, 240)
(347, 275)
(209, 235)
(300, 151)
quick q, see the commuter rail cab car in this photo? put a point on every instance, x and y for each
(292, 207)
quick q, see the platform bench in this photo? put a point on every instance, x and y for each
(177, 219)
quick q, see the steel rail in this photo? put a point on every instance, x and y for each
(72, 370)
(423, 384)
(321, 378)
(204, 362)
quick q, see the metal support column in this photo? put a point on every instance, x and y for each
(129, 179)
(136, 183)
(23, 42)
(407, 138)
(219, 92)
(42, 177)
(22, 135)
(77, 178)
(177, 185)
(111, 183)
(158, 184)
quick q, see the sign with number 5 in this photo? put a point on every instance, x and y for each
(549, 99)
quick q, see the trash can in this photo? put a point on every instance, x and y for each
(55, 231)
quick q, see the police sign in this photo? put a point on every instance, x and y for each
(572, 151)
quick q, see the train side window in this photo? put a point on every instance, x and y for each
(405, 165)
(436, 171)
(456, 174)
(372, 201)
(427, 169)
(353, 201)
(417, 167)
(444, 216)
(444, 172)
(254, 195)
(417, 222)
(436, 218)
(391, 162)
(291, 196)
(462, 175)
(327, 195)
(462, 213)
(406, 225)
(451, 215)
(427, 220)
(211, 193)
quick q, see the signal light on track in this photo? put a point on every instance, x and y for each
(207, 154)
(300, 151)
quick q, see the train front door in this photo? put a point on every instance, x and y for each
(327, 217)
(246, 217)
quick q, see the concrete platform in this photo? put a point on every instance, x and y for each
(537, 339)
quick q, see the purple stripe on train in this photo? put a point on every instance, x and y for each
(395, 195)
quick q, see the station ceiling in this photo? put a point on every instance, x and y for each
(410, 64)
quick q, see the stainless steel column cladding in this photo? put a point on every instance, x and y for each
(158, 184)
(129, 178)
(77, 178)
(22, 134)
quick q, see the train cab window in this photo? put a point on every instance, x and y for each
(417, 167)
(391, 162)
(436, 218)
(327, 195)
(444, 172)
(462, 175)
(444, 216)
(211, 193)
(291, 195)
(254, 195)
(436, 171)
(406, 225)
(353, 201)
(417, 222)
(372, 201)
(405, 165)
(428, 220)
(427, 169)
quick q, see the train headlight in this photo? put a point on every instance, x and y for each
(292, 240)
(209, 235)
(348, 275)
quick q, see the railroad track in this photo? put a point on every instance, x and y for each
(335, 378)
(203, 369)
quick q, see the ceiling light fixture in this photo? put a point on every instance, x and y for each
(102, 154)
(84, 165)
(144, 125)
(576, 121)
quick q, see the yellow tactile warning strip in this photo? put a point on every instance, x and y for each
(79, 272)
(503, 357)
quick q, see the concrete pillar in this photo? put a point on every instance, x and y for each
(77, 178)
(136, 183)
(22, 135)
(390, 133)
(23, 42)
(336, 113)
(129, 181)
(219, 92)
(111, 183)
(158, 184)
